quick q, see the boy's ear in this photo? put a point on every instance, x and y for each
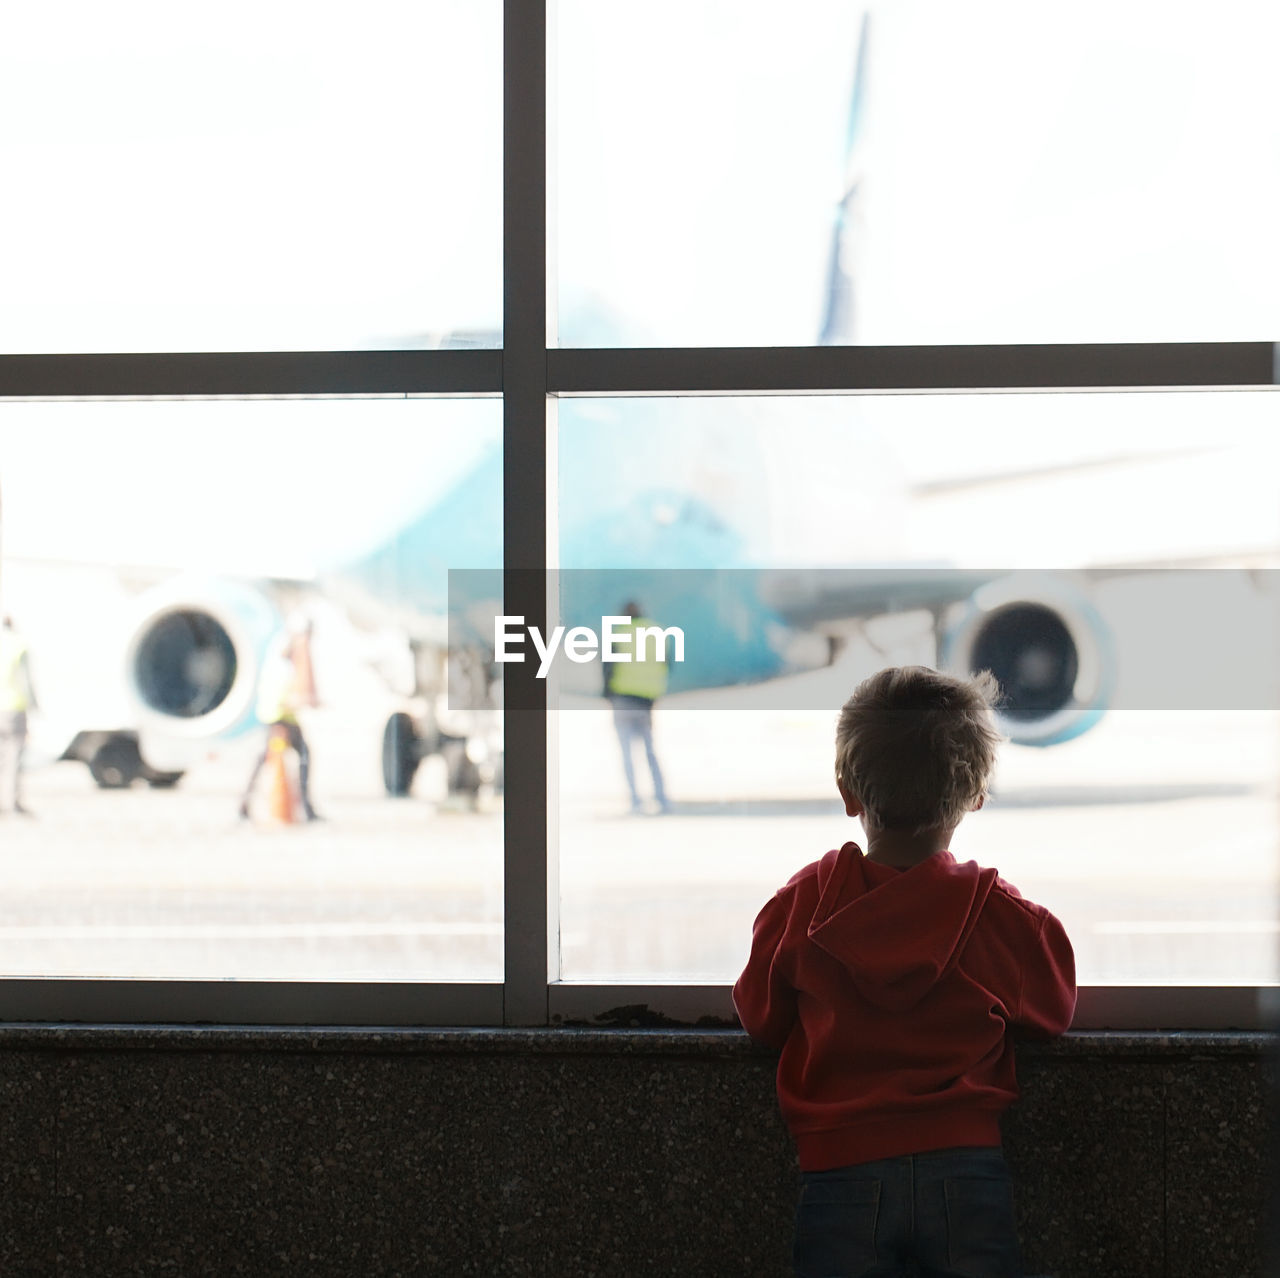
(982, 798)
(852, 804)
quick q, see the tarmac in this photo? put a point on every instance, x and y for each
(1154, 838)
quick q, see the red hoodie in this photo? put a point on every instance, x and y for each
(891, 994)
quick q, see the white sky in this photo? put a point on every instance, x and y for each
(289, 176)
(276, 488)
(275, 175)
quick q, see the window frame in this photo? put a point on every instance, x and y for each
(530, 373)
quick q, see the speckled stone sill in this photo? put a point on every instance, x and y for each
(695, 1042)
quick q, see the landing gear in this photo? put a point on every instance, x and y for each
(472, 767)
(400, 754)
(116, 764)
(115, 761)
(453, 713)
(162, 780)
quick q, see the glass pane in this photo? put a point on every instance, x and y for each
(183, 575)
(1112, 557)
(282, 178)
(918, 172)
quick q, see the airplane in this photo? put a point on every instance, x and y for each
(191, 645)
(706, 532)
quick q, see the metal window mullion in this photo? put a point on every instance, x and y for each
(127, 1001)
(526, 888)
(245, 373)
(835, 369)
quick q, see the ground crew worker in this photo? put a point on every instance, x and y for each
(17, 697)
(285, 686)
(632, 687)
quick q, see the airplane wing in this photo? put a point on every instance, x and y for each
(809, 598)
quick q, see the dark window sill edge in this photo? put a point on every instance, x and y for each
(569, 1040)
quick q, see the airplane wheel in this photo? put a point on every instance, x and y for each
(399, 754)
(116, 764)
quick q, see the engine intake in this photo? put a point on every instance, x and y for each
(185, 664)
(192, 665)
(1049, 651)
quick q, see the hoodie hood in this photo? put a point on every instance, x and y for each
(897, 932)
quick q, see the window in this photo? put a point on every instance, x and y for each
(801, 544)
(721, 324)
(157, 581)
(273, 181)
(915, 173)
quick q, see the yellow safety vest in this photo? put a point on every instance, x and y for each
(13, 681)
(645, 675)
(277, 701)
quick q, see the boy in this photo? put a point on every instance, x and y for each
(892, 981)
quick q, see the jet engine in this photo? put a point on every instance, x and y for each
(192, 665)
(1049, 650)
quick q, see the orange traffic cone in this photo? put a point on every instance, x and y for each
(283, 798)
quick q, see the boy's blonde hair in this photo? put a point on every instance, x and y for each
(916, 747)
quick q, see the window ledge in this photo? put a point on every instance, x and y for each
(1149, 1045)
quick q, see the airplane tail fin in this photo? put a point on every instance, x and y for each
(839, 316)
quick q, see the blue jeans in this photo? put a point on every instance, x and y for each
(633, 722)
(950, 1211)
